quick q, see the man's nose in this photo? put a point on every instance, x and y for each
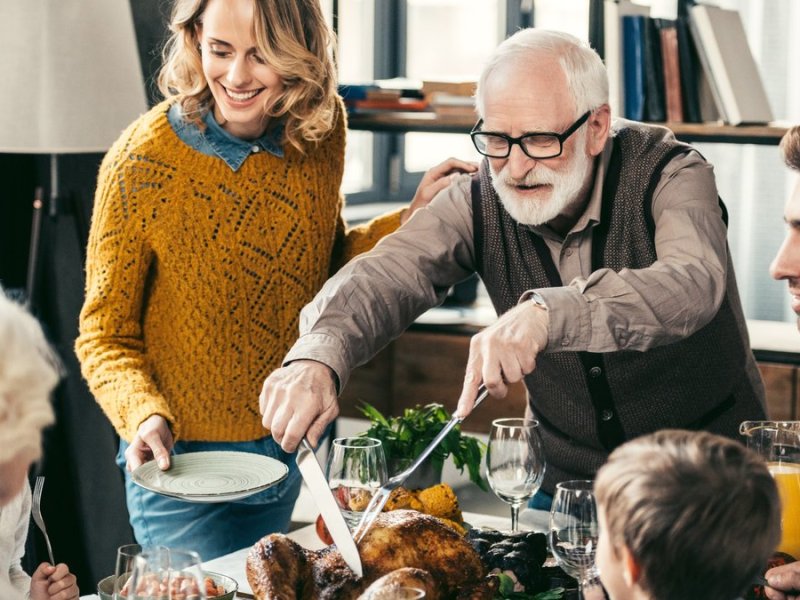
(786, 264)
(519, 163)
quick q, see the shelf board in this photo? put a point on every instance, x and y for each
(427, 121)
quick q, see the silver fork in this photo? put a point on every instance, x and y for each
(36, 511)
(380, 498)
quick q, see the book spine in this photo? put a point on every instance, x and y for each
(653, 72)
(672, 76)
(633, 44)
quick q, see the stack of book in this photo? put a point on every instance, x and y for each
(695, 68)
(397, 94)
(454, 98)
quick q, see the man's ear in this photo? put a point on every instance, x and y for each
(598, 127)
(631, 571)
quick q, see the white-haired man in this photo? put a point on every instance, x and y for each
(603, 251)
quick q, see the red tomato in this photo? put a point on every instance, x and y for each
(322, 531)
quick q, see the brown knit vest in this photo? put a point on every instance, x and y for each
(589, 403)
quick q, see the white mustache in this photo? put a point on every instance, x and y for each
(531, 179)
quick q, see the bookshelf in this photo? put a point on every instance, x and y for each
(429, 122)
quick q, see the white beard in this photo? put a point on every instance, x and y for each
(566, 186)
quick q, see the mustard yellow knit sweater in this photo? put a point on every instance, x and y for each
(195, 275)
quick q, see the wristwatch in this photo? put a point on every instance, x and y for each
(535, 297)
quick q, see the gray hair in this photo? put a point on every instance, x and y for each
(29, 370)
(585, 72)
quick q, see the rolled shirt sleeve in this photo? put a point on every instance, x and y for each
(636, 309)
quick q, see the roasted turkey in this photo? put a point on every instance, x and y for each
(280, 569)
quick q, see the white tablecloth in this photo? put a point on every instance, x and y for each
(233, 564)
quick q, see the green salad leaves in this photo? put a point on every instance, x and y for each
(406, 436)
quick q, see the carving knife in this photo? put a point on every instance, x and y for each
(314, 477)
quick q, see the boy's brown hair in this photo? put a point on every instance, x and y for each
(790, 147)
(698, 512)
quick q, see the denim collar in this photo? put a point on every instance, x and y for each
(215, 141)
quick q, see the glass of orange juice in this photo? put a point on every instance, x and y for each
(778, 443)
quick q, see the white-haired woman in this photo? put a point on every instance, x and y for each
(28, 373)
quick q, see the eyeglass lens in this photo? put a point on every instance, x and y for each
(534, 145)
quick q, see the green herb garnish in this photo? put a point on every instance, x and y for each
(405, 437)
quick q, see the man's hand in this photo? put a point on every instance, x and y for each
(298, 400)
(53, 583)
(434, 181)
(784, 582)
(153, 441)
(504, 353)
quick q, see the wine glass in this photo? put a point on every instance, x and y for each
(123, 568)
(356, 468)
(166, 574)
(573, 530)
(515, 462)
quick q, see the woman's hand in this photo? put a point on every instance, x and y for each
(784, 582)
(53, 583)
(153, 441)
(434, 181)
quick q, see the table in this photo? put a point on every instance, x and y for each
(233, 564)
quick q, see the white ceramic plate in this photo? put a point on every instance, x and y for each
(212, 476)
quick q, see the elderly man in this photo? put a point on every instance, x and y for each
(603, 250)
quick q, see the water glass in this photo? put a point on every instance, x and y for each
(356, 468)
(574, 531)
(167, 574)
(123, 568)
(515, 462)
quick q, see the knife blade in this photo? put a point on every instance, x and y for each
(317, 484)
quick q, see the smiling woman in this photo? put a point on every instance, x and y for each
(217, 217)
(243, 84)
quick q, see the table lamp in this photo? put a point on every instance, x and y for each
(71, 83)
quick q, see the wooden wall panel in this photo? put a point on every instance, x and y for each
(780, 382)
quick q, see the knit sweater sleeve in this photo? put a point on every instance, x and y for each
(110, 344)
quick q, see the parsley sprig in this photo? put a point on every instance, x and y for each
(406, 436)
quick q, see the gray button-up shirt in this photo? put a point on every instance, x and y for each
(375, 297)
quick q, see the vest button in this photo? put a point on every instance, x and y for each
(606, 415)
(595, 372)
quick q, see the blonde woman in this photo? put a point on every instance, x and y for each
(217, 217)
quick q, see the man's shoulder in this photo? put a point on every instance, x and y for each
(620, 126)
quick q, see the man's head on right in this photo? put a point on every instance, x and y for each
(684, 514)
(786, 264)
(544, 81)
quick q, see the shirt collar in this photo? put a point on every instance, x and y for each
(213, 140)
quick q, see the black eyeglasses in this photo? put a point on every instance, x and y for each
(546, 144)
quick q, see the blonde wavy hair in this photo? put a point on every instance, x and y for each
(292, 37)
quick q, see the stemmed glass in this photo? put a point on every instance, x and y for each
(573, 530)
(166, 574)
(356, 468)
(515, 462)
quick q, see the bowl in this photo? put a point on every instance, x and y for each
(228, 584)
(105, 587)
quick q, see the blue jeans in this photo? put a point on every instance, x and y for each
(212, 530)
(541, 501)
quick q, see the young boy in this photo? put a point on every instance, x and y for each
(27, 376)
(684, 515)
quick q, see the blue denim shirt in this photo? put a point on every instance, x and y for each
(215, 141)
